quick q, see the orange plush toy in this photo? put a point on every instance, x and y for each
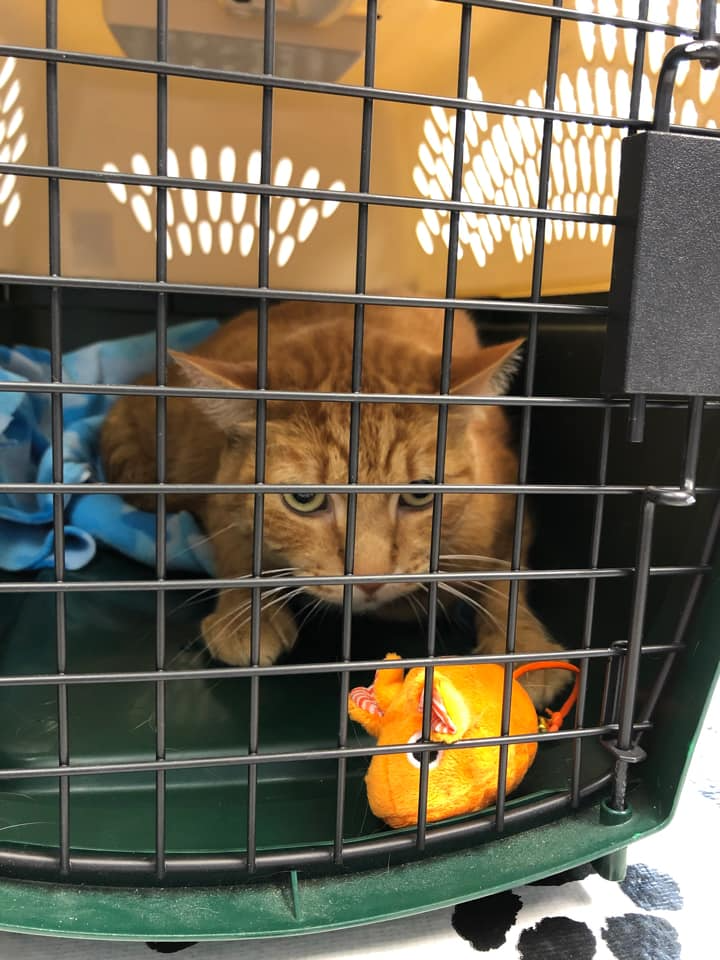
(466, 705)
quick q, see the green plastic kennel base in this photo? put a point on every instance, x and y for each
(274, 908)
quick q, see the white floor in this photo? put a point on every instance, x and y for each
(687, 851)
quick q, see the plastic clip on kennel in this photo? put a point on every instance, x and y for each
(202, 157)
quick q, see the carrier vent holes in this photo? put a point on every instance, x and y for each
(501, 154)
(13, 139)
(212, 221)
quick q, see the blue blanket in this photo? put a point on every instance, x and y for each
(26, 532)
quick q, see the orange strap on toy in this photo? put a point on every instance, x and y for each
(555, 717)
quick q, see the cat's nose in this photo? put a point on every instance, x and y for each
(369, 588)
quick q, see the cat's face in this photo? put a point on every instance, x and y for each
(308, 444)
(306, 530)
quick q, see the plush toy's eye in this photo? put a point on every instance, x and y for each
(305, 501)
(417, 500)
(415, 758)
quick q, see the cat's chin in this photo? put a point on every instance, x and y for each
(360, 605)
(388, 605)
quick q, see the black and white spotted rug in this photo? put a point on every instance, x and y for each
(665, 909)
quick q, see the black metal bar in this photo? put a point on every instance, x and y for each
(129, 586)
(355, 413)
(638, 403)
(636, 418)
(688, 474)
(612, 684)
(677, 645)
(480, 489)
(278, 670)
(582, 16)
(261, 421)
(708, 18)
(219, 867)
(692, 447)
(526, 416)
(135, 65)
(638, 64)
(56, 400)
(635, 427)
(336, 397)
(595, 540)
(634, 650)
(259, 189)
(310, 296)
(160, 431)
(442, 424)
(707, 51)
(288, 756)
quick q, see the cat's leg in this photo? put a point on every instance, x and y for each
(227, 631)
(530, 637)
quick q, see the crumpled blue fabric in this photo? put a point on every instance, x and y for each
(26, 519)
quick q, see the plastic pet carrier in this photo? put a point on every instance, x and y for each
(551, 168)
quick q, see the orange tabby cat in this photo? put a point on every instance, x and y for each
(310, 348)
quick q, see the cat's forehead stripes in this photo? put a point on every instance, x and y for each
(311, 444)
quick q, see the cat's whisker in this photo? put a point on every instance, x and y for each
(308, 610)
(425, 588)
(247, 604)
(242, 621)
(194, 598)
(324, 611)
(456, 557)
(482, 587)
(472, 602)
(277, 571)
(443, 608)
(202, 540)
(184, 654)
(416, 608)
(202, 594)
(233, 619)
(282, 600)
(188, 657)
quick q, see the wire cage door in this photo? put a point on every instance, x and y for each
(301, 152)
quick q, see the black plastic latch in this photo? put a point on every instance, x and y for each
(664, 323)
(664, 317)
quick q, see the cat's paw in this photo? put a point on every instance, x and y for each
(531, 637)
(231, 643)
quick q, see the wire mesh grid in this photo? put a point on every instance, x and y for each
(621, 719)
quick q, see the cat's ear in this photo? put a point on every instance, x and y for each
(488, 371)
(231, 414)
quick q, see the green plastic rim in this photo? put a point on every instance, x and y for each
(290, 904)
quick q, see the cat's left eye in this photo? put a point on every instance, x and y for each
(420, 499)
(305, 502)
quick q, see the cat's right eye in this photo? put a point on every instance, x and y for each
(420, 499)
(305, 502)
